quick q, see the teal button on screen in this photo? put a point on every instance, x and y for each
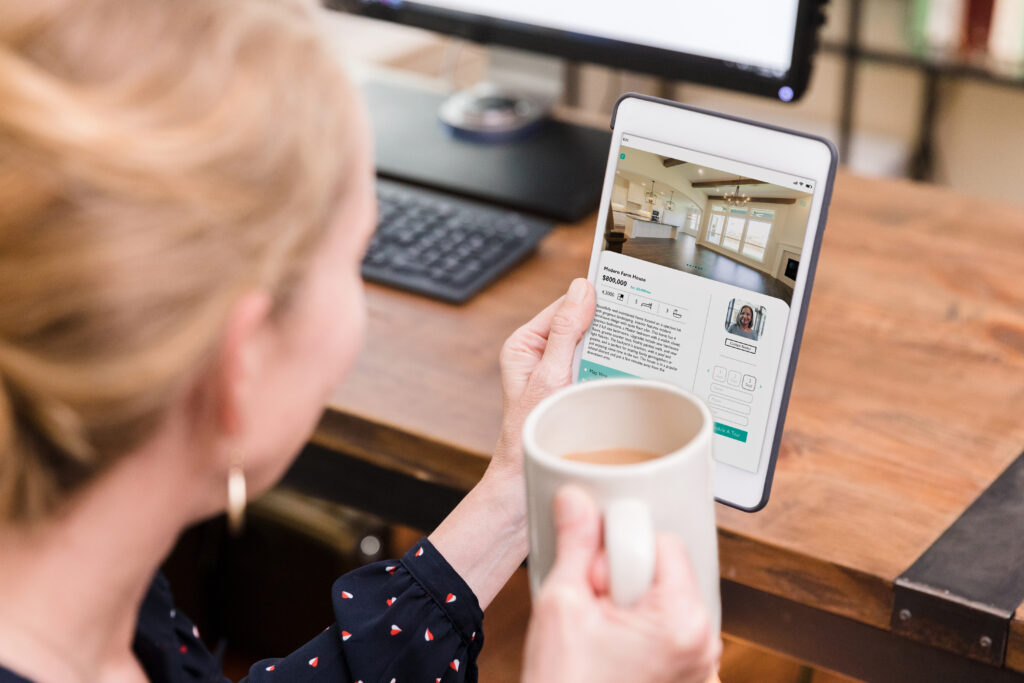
(731, 432)
(589, 371)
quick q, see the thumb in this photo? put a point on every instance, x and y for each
(569, 322)
(578, 523)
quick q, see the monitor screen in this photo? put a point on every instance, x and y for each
(749, 45)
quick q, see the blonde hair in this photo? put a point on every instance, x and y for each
(157, 159)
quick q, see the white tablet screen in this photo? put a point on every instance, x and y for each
(695, 280)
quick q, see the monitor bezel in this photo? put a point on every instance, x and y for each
(667, 64)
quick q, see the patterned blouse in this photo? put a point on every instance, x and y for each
(399, 621)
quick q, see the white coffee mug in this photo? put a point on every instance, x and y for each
(672, 493)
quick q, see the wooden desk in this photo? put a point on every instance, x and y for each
(908, 402)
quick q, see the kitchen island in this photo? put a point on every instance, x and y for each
(638, 227)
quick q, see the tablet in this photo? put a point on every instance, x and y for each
(703, 259)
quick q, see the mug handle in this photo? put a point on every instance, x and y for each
(629, 542)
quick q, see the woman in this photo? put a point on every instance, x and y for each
(187, 191)
(744, 325)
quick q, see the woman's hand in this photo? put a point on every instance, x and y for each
(535, 361)
(484, 537)
(577, 635)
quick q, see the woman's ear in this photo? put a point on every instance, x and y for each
(243, 356)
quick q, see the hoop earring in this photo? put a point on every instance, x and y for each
(236, 495)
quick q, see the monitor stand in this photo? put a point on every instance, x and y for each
(556, 171)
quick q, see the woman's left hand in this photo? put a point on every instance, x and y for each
(484, 537)
(537, 360)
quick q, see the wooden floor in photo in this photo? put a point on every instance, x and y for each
(683, 253)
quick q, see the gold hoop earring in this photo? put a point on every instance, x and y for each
(236, 495)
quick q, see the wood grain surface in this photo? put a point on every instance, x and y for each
(907, 401)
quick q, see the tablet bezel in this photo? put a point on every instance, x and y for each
(758, 144)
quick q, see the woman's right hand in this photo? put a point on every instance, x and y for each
(576, 633)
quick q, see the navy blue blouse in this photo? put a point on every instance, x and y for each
(397, 621)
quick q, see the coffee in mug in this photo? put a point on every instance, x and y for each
(613, 456)
(583, 435)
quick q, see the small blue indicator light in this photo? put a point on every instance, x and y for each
(786, 93)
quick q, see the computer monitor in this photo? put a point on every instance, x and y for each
(500, 147)
(754, 46)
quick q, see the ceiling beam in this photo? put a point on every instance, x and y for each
(726, 182)
(669, 162)
(762, 200)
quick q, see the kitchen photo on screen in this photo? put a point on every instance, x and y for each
(733, 229)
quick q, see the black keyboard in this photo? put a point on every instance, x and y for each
(443, 246)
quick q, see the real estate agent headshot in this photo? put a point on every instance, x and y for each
(187, 191)
(743, 326)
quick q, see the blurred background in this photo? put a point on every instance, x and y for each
(926, 89)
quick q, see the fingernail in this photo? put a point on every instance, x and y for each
(577, 291)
